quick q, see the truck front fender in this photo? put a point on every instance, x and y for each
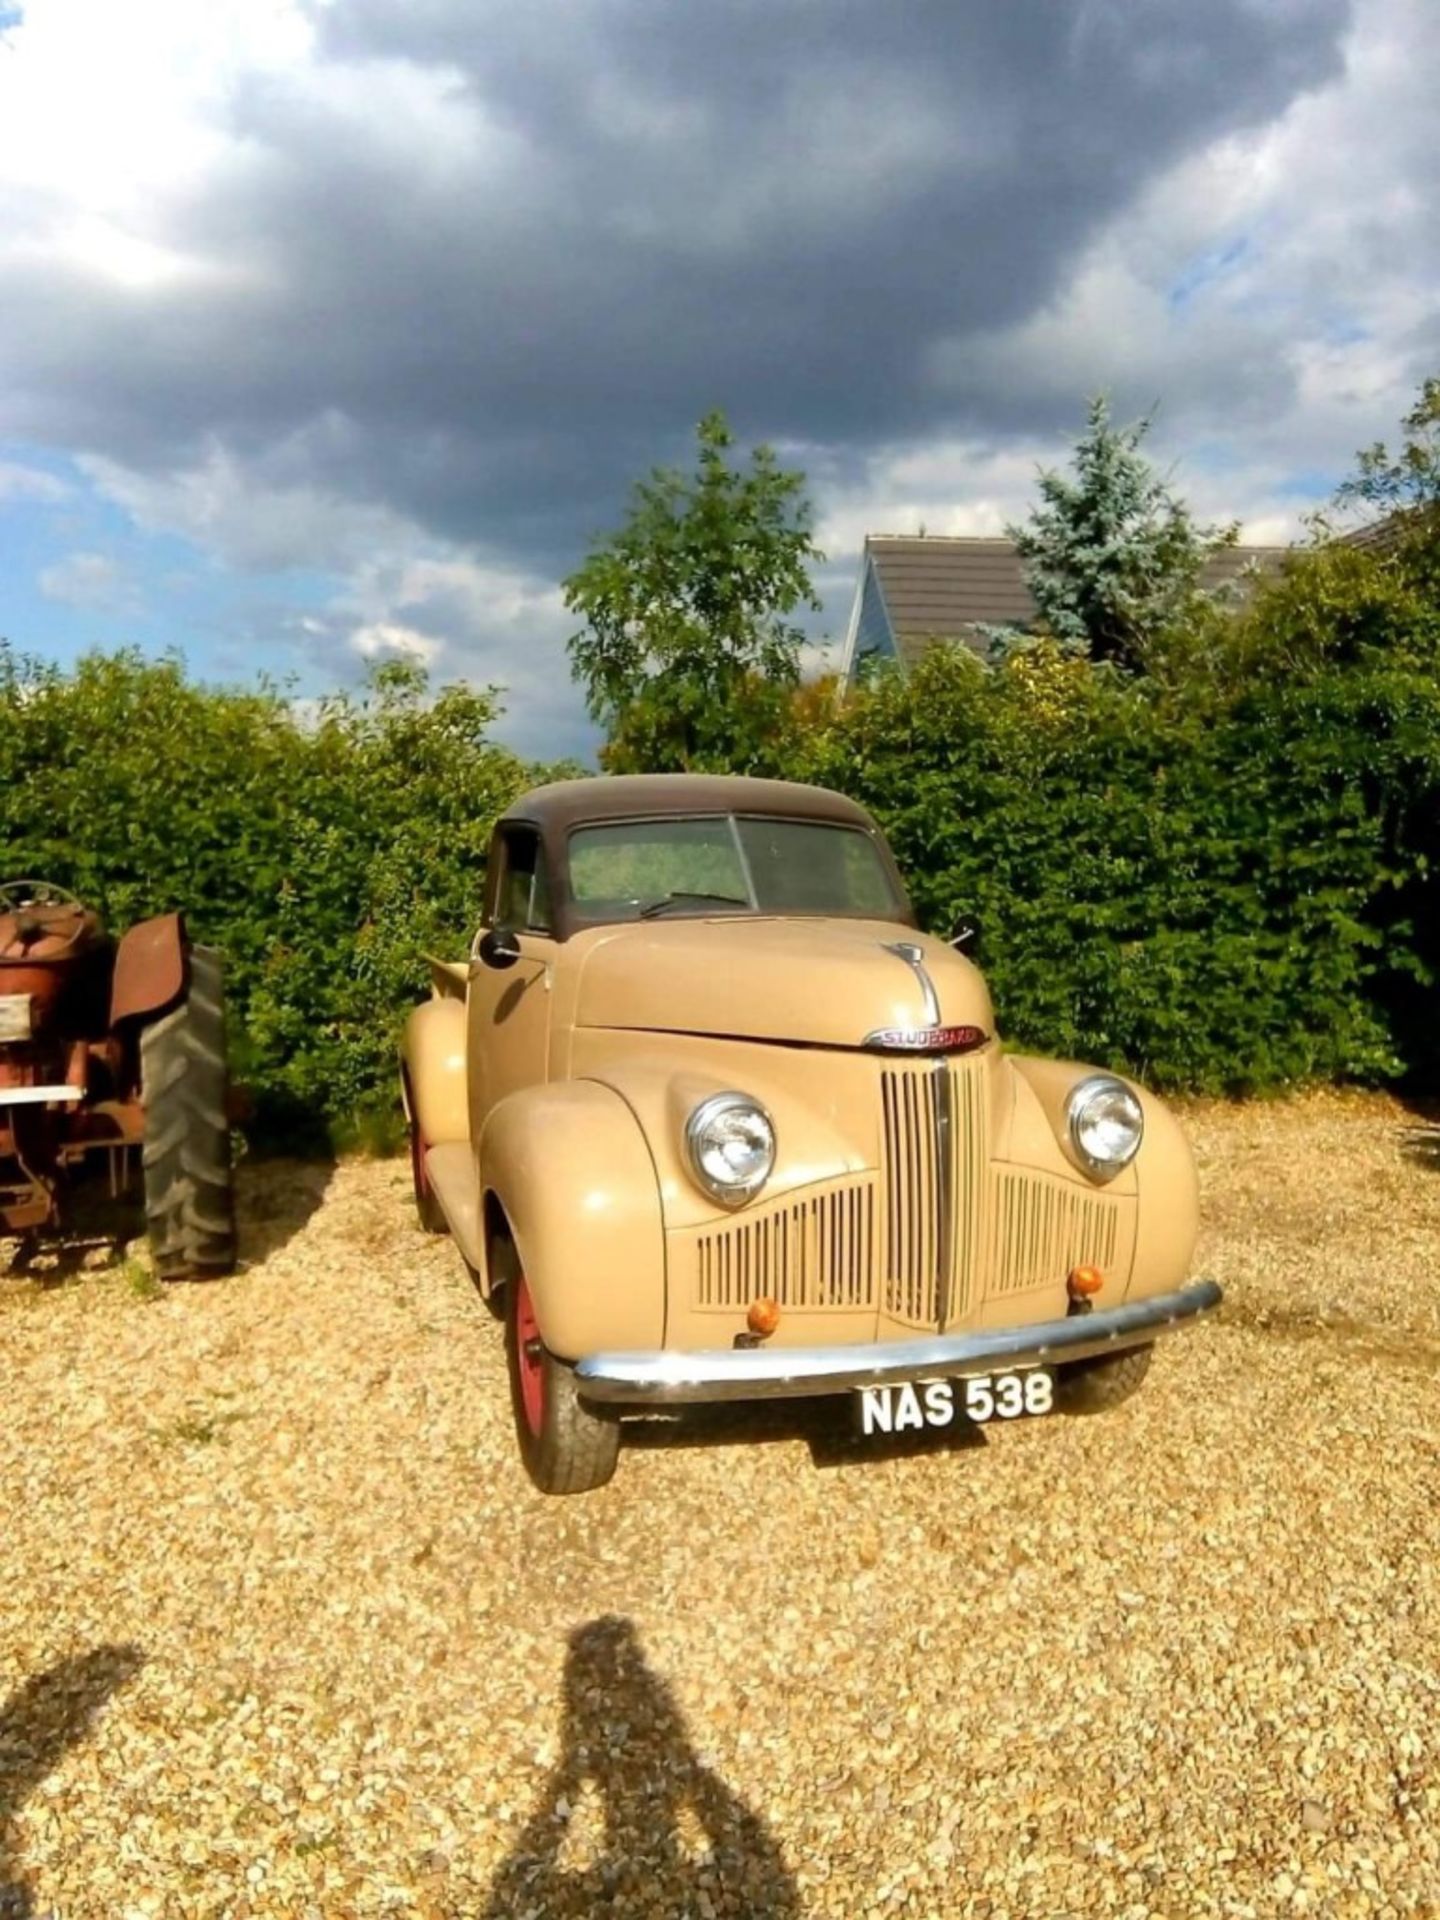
(1161, 1177)
(433, 1085)
(570, 1169)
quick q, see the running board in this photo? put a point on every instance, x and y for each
(455, 1182)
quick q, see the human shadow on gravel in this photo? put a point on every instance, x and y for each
(631, 1821)
(825, 1422)
(39, 1723)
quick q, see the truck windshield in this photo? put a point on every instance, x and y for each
(727, 863)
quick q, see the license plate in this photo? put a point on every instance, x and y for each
(913, 1405)
(14, 1016)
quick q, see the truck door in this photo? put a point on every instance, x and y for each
(508, 1010)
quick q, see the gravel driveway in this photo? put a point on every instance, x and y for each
(284, 1632)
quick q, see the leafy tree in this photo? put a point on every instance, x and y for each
(1410, 481)
(1403, 490)
(1219, 873)
(1112, 556)
(688, 655)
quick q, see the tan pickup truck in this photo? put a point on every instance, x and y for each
(710, 1119)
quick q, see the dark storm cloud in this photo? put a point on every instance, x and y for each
(627, 211)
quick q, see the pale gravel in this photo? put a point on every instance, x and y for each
(284, 1632)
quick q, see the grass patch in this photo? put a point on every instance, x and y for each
(199, 1429)
(141, 1280)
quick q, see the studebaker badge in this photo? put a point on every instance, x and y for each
(925, 1039)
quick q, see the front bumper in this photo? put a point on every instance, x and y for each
(661, 1379)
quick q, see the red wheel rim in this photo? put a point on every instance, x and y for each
(529, 1356)
(417, 1146)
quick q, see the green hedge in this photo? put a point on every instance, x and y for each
(322, 848)
(1217, 875)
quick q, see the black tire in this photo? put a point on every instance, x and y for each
(427, 1208)
(1095, 1386)
(565, 1446)
(494, 1300)
(189, 1169)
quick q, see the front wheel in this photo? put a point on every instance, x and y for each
(1095, 1386)
(189, 1175)
(565, 1447)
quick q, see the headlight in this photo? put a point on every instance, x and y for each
(1106, 1124)
(730, 1139)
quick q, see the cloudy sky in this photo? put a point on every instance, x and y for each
(331, 328)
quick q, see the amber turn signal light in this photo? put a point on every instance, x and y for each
(1084, 1281)
(763, 1317)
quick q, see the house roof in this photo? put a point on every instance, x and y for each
(1381, 535)
(944, 587)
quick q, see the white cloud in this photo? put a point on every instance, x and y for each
(969, 487)
(115, 109)
(950, 485)
(386, 637)
(245, 519)
(482, 621)
(21, 483)
(458, 585)
(1278, 294)
(398, 590)
(402, 296)
(90, 581)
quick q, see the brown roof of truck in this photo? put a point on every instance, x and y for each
(639, 796)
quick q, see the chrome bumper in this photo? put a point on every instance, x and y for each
(660, 1379)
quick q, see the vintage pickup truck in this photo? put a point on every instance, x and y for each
(710, 1119)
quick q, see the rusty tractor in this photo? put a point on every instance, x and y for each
(107, 1047)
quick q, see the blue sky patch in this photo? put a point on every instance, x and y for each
(1204, 270)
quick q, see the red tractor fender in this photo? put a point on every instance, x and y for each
(149, 967)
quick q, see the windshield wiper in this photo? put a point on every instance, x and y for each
(680, 895)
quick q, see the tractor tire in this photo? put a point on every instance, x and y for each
(565, 1446)
(1095, 1386)
(189, 1175)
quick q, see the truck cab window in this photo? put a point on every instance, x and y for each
(522, 898)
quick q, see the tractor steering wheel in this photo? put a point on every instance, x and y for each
(18, 895)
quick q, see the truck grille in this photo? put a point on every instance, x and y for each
(936, 1156)
(817, 1252)
(1043, 1228)
(928, 1238)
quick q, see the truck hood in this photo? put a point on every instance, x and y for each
(818, 982)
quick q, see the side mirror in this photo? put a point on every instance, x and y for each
(965, 934)
(499, 948)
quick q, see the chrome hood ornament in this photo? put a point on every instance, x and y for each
(933, 1037)
(914, 958)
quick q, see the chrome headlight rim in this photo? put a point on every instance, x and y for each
(1080, 1097)
(730, 1193)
